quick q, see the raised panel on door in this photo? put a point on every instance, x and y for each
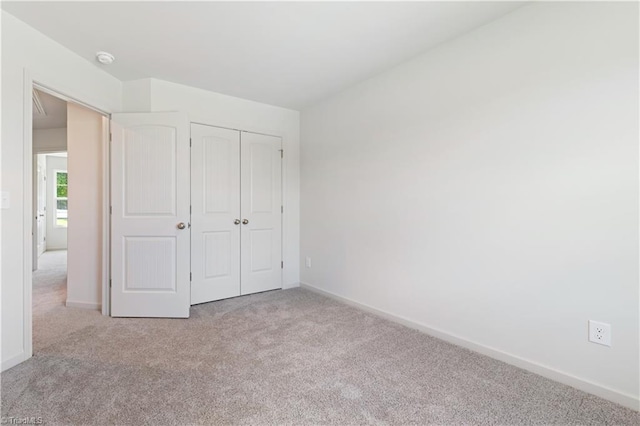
(261, 202)
(150, 204)
(215, 197)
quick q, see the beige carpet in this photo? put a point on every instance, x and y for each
(50, 282)
(276, 358)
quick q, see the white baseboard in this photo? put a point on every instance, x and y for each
(84, 305)
(13, 361)
(291, 285)
(584, 385)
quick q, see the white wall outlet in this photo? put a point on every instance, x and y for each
(600, 332)
(307, 262)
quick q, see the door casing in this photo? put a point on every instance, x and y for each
(31, 81)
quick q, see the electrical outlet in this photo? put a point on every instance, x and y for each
(600, 332)
(308, 262)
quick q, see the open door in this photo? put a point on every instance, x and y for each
(40, 208)
(150, 203)
(41, 213)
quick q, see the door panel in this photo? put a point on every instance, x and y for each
(261, 202)
(217, 253)
(261, 254)
(215, 194)
(150, 264)
(150, 171)
(149, 198)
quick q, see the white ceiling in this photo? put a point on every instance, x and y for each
(56, 112)
(286, 54)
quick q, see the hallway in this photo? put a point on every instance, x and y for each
(49, 298)
(50, 282)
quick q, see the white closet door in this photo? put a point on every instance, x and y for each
(150, 214)
(261, 203)
(215, 198)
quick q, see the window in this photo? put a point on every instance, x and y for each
(61, 199)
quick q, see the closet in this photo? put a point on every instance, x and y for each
(196, 214)
(236, 218)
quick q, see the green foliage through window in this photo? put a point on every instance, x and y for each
(61, 184)
(62, 206)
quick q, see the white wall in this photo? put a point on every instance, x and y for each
(488, 189)
(56, 235)
(50, 140)
(215, 109)
(53, 66)
(86, 138)
(136, 96)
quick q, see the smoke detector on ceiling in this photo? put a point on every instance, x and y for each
(105, 57)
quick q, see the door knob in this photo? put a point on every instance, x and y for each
(181, 225)
(236, 222)
(245, 221)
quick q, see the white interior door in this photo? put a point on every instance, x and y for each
(150, 239)
(215, 202)
(261, 208)
(41, 219)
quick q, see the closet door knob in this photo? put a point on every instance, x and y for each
(236, 222)
(245, 221)
(181, 225)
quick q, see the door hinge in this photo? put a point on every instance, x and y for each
(281, 209)
(190, 276)
(190, 141)
(282, 265)
(190, 209)
(110, 209)
(109, 282)
(110, 136)
(282, 153)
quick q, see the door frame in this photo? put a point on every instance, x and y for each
(32, 81)
(35, 154)
(283, 177)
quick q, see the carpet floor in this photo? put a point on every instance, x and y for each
(277, 358)
(50, 282)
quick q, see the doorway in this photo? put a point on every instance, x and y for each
(99, 190)
(69, 151)
(50, 202)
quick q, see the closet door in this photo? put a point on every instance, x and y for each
(261, 203)
(215, 216)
